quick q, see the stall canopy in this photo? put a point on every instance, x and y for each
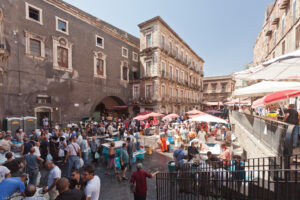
(283, 68)
(264, 88)
(208, 118)
(194, 112)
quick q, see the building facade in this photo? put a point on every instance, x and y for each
(60, 62)
(217, 90)
(280, 33)
(171, 72)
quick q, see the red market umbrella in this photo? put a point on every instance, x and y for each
(171, 116)
(144, 113)
(275, 97)
(153, 114)
(281, 95)
(141, 117)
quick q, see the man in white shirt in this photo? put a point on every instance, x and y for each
(53, 177)
(92, 189)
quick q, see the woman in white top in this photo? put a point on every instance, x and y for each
(202, 136)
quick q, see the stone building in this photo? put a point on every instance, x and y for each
(217, 90)
(280, 33)
(60, 62)
(171, 72)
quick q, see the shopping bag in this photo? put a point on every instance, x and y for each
(97, 156)
(49, 157)
(61, 153)
(81, 163)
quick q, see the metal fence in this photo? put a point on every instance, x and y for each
(221, 184)
(274, 134)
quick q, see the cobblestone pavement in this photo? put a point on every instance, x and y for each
(112, 189)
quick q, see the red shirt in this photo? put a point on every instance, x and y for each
(139, 178)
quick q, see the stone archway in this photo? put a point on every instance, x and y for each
(110, 106)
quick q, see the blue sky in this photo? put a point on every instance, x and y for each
(222, 32)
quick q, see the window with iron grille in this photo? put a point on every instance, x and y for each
(35, 47)
(43, 100)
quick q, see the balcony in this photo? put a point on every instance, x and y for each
(269, 32)
(275, 21)
(284, 4)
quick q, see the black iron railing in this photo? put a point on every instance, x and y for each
(279, 184)
(275, 135)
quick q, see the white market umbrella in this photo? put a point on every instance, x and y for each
(208, 118)
(265, 87)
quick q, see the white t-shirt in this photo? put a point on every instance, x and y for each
(92, 188)
(3, 171)
(37, 151)
(54, 173)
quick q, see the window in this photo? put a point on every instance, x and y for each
(99, 65)
(148, 40)
(224, 87)
(205, 86)
(163, 91)
(214, 87)
(181, 94)
(135, 57)
(171, 71)
(182, 76)
(35, 46)
(282, 25)
(162, 42)
(124, 71)
(163, 69)
(170, 47)
(294, 9)
(34, 13)
(148, 68)
(176, 52)
(298, 37)
(148, 94)
(124, 52)
(283, 48)
(274, 54)
(181, 55)
(275, 38)
(136, 92)
(99, 41)
(176, 93)
(135, 73)
(62, 54)
(177, 75)
(170, 92)
(62, 25)
(62, 57)
(43, 99)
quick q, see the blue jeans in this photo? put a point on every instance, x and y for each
(85, 156)
(73, 161)
(33, 176)
(296, 132)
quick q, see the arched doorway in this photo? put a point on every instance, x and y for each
(110, 107)
(41, 112)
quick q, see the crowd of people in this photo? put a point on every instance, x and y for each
(27, 154)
